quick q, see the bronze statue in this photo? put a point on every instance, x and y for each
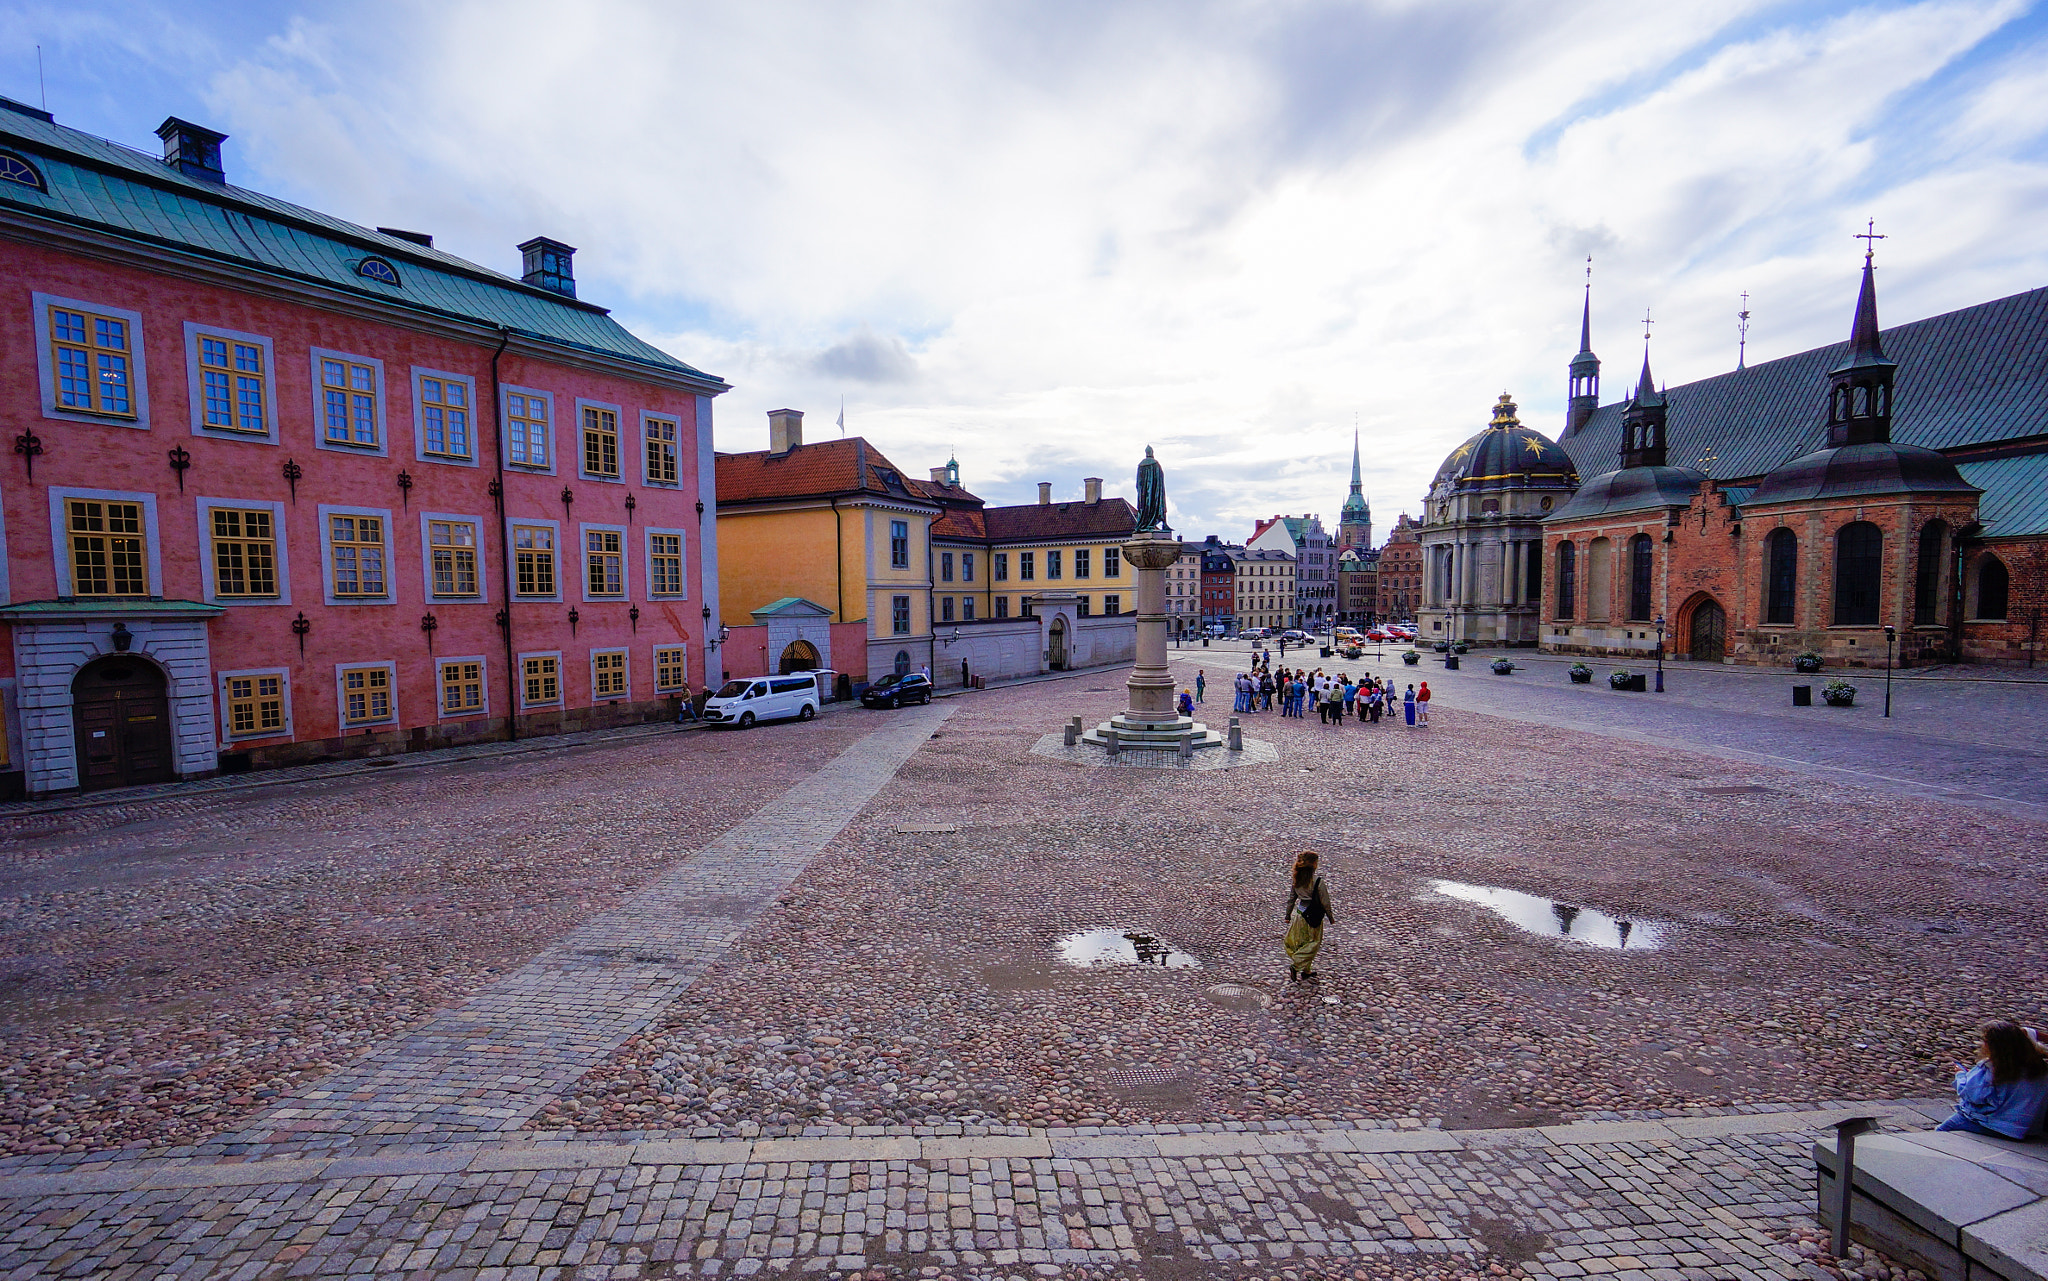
(1151, 494)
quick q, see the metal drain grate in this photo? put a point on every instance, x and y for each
(1138, 1078)
(1742, 790)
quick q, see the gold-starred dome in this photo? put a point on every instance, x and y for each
(1506, 455)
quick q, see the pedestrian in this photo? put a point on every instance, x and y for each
(1422, 705)
(1187, 702)
(1408, 704)
(687, 710)
(1308, 908)
(1266, 691)
(2005, 1093)
(1201, 685)
(1372, 705)
(1350, 695)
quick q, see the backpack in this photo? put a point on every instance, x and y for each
(1311, 908)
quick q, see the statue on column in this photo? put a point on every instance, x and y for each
(1151, 494)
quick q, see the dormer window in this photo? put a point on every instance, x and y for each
(377, 269)
(14, 169)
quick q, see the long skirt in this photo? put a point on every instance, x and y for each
(1303, 941)
(1408, 708)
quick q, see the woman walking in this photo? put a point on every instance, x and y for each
(1308, 907)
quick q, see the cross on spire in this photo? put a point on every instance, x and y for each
(1870, 235)
(1742, 330)
(1647, 322)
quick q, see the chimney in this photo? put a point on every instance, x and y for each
(420, 238)
(547, 266)
(1045, 493)
(938, 475)
(785, 430)
(1091, 486)
(192, 150)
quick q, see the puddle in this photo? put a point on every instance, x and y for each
(1554, 919)
(1123, 947)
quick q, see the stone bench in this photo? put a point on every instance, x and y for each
(1959, 1207)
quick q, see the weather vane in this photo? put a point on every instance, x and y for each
(1869, 236)
(1742, 330)
(1647, 322)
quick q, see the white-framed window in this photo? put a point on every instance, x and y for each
(255, 704)
(530, 429)
(536, 558)
(610, 674)
(243, 558)
(598, 428)
(444, 417)
(462, 685)
(604, 562)
(89, 361)
(355, 555)
(233, 380)
(107, 543)
(540, 679)
(366, 693)
(451, 557)
(667, 575)
(348, 403)
(671, 669)
(660, 437)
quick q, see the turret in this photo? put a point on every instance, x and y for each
(1860, 388)
(1642, 423)
(1583, 396)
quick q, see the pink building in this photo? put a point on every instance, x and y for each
(284, 488)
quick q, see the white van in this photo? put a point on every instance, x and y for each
(763, 698)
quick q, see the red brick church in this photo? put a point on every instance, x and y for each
(1899, 481)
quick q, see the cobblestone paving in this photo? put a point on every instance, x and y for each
(1700, 1199)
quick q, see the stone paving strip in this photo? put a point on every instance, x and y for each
(488, 1064)
(1700, 1198)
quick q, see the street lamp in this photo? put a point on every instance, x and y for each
(1891, 636)
(1660, 653)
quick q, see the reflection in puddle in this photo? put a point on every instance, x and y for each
(1123, 947)
(1554, 919)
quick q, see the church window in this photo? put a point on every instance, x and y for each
(1994, 589)
(1532, 589)
(1927, 574)
(1781, 575)
(1859, 568)
(1641, 563)
(1599, 580)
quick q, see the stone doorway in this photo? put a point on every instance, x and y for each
(799, 656)
(121, 714)
(1056, 645)
(1709, 640)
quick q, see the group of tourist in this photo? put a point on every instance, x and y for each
(1334, 696)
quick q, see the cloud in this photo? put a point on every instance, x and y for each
(866, 357)
(1048, 236)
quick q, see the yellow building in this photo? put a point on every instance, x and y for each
(997, 562)
(835, 524)
(1265, 589)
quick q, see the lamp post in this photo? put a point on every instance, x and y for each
(1660, 653)
(1891, 637)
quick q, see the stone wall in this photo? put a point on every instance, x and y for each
(47, 656)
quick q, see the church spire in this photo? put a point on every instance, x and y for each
(1354, 523)
(1583, 396)
(1642, 420)
(1357, 485)
(1860, 388)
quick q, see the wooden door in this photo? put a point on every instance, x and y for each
(1709, 633)
(121, 711)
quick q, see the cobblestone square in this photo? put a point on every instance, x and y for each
(723, 1003)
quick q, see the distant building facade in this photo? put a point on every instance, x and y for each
(1219, 584)
(1358, 585)
(1400, 571)
(1314, 557)
(1264, 588)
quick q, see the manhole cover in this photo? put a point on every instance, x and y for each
(1232, 996)
(1139, 1078)
(1744, 789)
(928, 829)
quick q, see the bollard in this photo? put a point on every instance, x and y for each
(1072, 733)
(1109, 741)
(1846, 1131)
(1187, 745)
(1077, 724)
(1236, 735)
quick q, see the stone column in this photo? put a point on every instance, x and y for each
(1151, 684)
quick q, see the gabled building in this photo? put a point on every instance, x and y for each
(1264, 589)
(223, 409)
(1313, 557)
(1400, 571)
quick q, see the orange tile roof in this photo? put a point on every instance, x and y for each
(830, 468)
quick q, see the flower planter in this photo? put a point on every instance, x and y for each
(1630, 682)
(1806, 664)
(1411, 659)
(1460, 647)
(1840, 700)
(1502, 667)
(1580, 678)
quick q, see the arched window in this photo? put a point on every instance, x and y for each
(1859, 571)
(1641, 560)
(903, 662)
(1781, 574)
(1994, 588)
(1599, 580)
(377, 269)
(1927, 574)
(1567, 579)
(14, 169)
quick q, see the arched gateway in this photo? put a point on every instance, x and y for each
(121, 713)
(1707, 632)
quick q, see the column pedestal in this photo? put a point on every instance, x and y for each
(1152, 721)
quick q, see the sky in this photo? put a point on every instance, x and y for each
(1042, 237)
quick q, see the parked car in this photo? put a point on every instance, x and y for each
(894, 691)
(1294, 634)
(747, 702)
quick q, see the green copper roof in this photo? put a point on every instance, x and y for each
(111, 188)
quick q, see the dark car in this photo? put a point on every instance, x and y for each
(894, 691)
